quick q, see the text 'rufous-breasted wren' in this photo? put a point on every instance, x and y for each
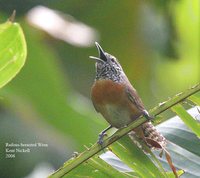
(115, 98)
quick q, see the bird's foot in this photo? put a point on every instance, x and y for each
(101, 136)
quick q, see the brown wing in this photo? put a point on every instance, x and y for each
(134, 98)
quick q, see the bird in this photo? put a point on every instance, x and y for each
(118, 101)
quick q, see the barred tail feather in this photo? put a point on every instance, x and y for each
(150, 133)
(154, 140)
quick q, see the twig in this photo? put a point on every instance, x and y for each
(12, 17)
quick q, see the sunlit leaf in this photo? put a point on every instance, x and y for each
(12, 51)
(195, 99)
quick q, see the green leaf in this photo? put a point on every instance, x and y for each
(96, 167)
(86, 171)
(105, 167)
(193, 124)
(12, 51)
(195, 99)
(135, 158)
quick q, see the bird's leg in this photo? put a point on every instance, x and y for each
(147, 116)
(102, 134)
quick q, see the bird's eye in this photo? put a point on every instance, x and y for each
(112, 59)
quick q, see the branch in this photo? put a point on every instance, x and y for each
(74, 162)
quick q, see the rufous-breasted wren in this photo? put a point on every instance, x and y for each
(117, 100)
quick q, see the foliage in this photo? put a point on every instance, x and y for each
(157, 44)
(12, 51)
(126, 150)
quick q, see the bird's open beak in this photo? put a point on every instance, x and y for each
(101, 52)
(102, 56)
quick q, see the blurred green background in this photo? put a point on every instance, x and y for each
(156, 42)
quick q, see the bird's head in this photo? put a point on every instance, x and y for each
(107, 66)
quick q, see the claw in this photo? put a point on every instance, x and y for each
(147, 116)
(101, 136)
